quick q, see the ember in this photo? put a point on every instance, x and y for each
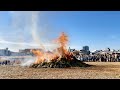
(60, 58)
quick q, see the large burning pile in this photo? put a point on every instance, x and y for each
(58, 58)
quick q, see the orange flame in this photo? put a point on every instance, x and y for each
(62, 41)
(60, 52)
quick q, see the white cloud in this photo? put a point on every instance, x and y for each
(14, 45)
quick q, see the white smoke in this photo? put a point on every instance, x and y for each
(27, 22)
(28, 61)
(34, 28)
(39, 34)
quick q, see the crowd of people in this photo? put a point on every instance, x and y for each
(81, 57)
(99, 58)
(8, 62)
(5, 62)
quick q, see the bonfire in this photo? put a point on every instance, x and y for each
(58, 58)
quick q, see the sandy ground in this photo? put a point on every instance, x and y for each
(101, 70)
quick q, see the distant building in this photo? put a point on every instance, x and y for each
(85, 48)
(17, 54)
(5, 52)
(84, 52)
(28, 51)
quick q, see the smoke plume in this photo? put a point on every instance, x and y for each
(26, 26)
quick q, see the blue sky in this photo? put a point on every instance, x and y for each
(97, 29)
